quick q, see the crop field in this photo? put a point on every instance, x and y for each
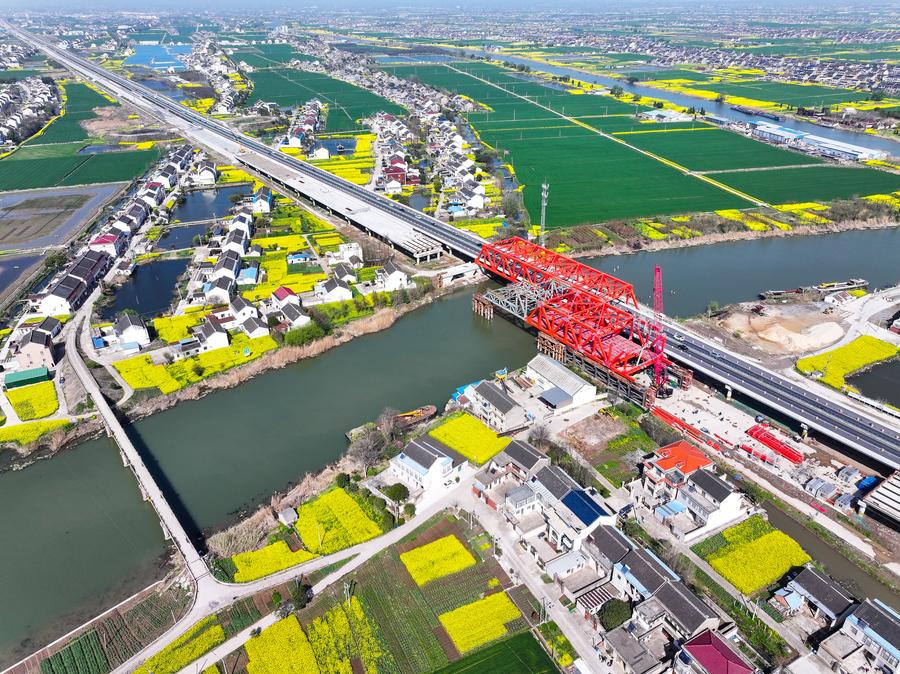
(752, 555)
(270, 559)
(837, 364)
(804, 95)
(519, 654)
(203, 636)
(812, 184)
(479, 622)
(346, 103)
(74, 169)
(470, 437)
(716, 150)
(35, 401)
(268, 55)
(334, 521)
(437, 559)
(79, 106)
(593, 179)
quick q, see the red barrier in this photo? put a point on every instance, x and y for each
(762, 433)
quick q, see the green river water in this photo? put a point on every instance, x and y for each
(77, 538)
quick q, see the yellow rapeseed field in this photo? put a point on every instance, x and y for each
(836, 364)
(437, 559)
(35, 401)
(281, 649)
(470, 437)
(480, 622)
(270, 559)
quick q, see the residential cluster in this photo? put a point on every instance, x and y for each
(209, 59)
(25, 106)
(13, 55)
(306, 121)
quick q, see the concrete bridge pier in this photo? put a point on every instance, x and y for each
(166, 535)
(728, 392)
(124, 458)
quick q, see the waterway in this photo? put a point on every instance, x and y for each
(12, 267)
(149, 290)
(838, 567)
(719, 109)
(881, 382)
(166, 88)
(181, 236)
(227, 452)
(77, 539)
(737, 271)
(159, 56)
(208, 204)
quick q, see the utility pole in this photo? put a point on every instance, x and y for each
(545, 190)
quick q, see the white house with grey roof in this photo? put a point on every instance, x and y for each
(427, 464)
(560, 388)
(825, 599)
(868, 641)
(712, 503)
(131, 329)
(495, 407)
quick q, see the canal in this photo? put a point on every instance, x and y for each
(208, 204)
(227, 452)
(148, 291)
(838, 567)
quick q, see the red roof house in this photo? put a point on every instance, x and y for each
(711, 654)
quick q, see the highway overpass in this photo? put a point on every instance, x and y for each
(401, 225)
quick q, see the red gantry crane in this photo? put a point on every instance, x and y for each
(588, 310)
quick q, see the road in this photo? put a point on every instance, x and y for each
(822, 411)
(350, 200)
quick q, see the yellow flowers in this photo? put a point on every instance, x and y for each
(230, 174)
(480, 622)
(35, 401)
(470, 437)
(140, 372)
(341, 634)
(270, 559)
(755, 222)
(22, 434)
(328, 239)
(804, 211)
(437, 559)
(752, 566)
(835, 365)
(334, 521)
(199, 639)
(290, 242)
(281, 649)
(752, 555)
(175, 328)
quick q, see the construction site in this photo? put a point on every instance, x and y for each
(584, 318)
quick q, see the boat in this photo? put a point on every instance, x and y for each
(836, 286)
(417, 416)
(756, 113)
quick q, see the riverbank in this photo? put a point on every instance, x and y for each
(17, 458)
(741, 235)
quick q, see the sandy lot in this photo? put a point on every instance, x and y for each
(785, 330)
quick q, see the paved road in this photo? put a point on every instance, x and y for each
(351, 199)
(820, 410)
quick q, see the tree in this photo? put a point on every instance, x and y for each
(342, 480)
(387, 424)
(877, 95)
(613, 613)
(409, 510)
(712, 308)
(659, 105)
(539, 436)
(397, 492)
(367, 446)
(631, 79)
(636, 98)
(617, 91)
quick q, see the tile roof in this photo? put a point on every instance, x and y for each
(681, 455)
(712, 484)
(716, 655)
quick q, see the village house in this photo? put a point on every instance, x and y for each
(822, 597)
(35, 350)
(228, 265)
(667, 470)
(560, 388)
(205, 174)
(711, 502)
(241, 309)
(639, 574)
(869, 640)
(333, 290)
(130, 329)
(282, 296)
(344, 273)
(112, 243)
(219, 290)
(711, 653)
(391, 278)
(426, 464)
(294, 316)
(494, 406)
(349, 253)
(262, 200)
(254, 327)
(212, 336)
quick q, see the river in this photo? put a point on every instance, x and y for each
(77, 539)
(228, 451)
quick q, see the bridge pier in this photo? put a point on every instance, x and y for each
(166, 535)
(481, 307)
(728, 392)
(124, 458)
